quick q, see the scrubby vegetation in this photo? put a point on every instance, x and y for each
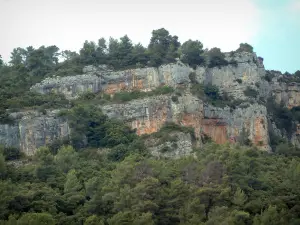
(251, 92)
(290, 78)
(245, 47)
(211, 94)
(223, 185)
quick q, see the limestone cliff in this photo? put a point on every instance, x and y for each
(234, 78)
(246, 71)
(227, 125)
(286, 93)
(110, 82)
(222, 125)
(32, 130)
(149, 114)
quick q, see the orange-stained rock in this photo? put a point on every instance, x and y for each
(138, 85)
(192, 120)
(148, 125)
(215, 129)
(113, 88)
(260, 132)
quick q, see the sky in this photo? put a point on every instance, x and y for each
(272, 27)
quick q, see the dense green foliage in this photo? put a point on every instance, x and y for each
(223, 185)
(90, 127)
(216, 58)
(245, 47)
(283, 117)
(192, 53)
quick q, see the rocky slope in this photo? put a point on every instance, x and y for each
(149, 114)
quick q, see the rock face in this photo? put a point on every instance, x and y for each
(181, 144)
(222, 125)
(288, 94)
(233, 78)
(32, 130)
(110, 82)
(148, 115)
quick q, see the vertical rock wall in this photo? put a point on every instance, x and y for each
(33, 130)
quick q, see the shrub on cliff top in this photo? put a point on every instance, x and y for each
(216, 58)
(244, 47)
(192, 53)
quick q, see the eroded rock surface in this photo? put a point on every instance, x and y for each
(110, 82)
(181, 144)
(288, 94)
(33, 130)
(148, 115)
(233, 79)
(222, 125)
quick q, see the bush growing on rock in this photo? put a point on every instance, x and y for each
(245, 47)
(216, 58)
(192, 53)
(251, 92)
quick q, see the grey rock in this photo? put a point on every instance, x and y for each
(33, 130)
(182, 146)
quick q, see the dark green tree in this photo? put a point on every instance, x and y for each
(192, 53)
(88, 54)
(244, 47)
(216, 58)
(101, 51)
(68, 55)
(163, 47)
(139, 54)
(36, 219)
(18, 57)
(1, 61)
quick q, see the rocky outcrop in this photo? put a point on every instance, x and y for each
(110, 82)
(222, 125)
(33, 130)
(150, 114)
(286, 93)
(246, 69)
(180, 144)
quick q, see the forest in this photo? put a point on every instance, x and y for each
(222, 185)
(104, 174)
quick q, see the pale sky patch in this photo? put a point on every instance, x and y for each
(68, 23)
(295, 6)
